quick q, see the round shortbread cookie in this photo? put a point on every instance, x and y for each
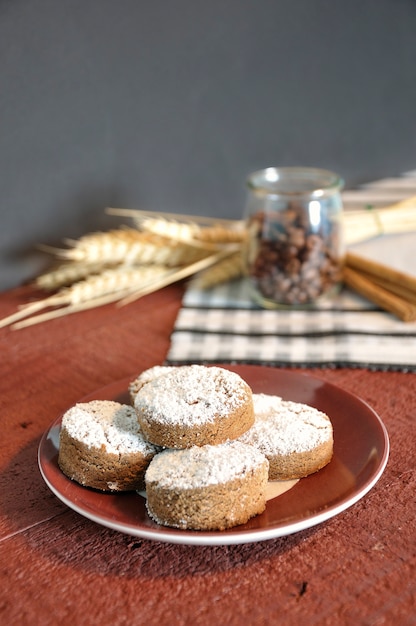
(145, 377)
(207, 487)
(194, 405)
(101, 446)
(297, 439)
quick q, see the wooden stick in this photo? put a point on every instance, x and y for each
(388, 301)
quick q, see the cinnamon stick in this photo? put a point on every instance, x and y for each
(398, 306)
(384, 272)
(395, 288)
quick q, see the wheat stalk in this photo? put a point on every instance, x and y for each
(140, 214)
(124, 294)
(127, 247)
(67, 274)
(220, 234)
(188, 234)
(109, 281)
(105, 247)
(70, 308)
(189, 228)
(180, 274)
(111, 284)
(225, 270)
(170, 229)
(123, 284)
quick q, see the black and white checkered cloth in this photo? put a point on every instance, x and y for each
(223, 325)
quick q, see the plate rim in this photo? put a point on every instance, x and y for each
(232, 536)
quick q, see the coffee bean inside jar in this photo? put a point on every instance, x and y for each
(295, 249)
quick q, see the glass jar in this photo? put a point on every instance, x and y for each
(295, 249)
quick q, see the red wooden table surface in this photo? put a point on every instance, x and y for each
(58, 567)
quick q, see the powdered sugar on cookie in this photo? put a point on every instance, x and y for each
(191, 395)
(108, 424)
(203, 466)
(147, 376)
(284, 427)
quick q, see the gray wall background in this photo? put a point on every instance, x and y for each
(168, 105)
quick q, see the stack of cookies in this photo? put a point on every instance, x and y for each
(198, 440)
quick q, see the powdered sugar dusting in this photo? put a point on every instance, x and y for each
(147, 376)
(108, 424)
(283, 427)
(203, 466)
(192, 395)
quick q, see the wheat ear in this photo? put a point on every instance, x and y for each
(67, 274)
(127, 247)
(220, 234)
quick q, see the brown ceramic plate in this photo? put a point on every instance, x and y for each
(361, 449)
